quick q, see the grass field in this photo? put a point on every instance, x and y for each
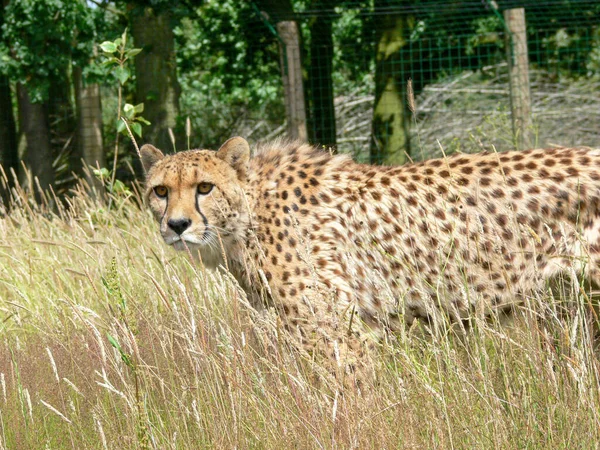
(109, 339)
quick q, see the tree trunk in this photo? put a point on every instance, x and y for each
(89, 115)
(155, 68)
(320, 70)
(9, 157)
(34, 139)
(390, 139)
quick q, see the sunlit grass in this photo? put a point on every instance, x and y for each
(109, 339)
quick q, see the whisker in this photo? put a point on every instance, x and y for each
(215, 227)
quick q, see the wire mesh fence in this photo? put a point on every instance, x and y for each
(393, 80)
(337, 73)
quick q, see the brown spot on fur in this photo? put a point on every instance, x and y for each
(531, 165)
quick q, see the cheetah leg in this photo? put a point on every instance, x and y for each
(592, 239)
(339, 342)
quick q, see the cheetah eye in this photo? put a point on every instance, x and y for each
(161, 191)
(204, 188)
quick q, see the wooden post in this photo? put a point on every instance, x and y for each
(291, 68)
(89, 112)
(518, 66)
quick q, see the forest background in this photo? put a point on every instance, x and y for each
(198, 73)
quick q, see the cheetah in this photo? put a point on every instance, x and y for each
(343, 250)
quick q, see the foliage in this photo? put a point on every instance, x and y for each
(230, 78)
(118, 56)
(40, 38)
(350, 31)
(118, 53)
(570, 52)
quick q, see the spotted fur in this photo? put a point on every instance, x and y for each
(341, 248)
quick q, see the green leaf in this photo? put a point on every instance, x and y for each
(139, 108)
(113, 342)
(108, 47)
(117, 186)
(132, 52)
(102, 173)
(109, 61)
(120, 188)
(120, 126)
(142, 120)
(124, 356)
(122, 74)
(137, 128)
(129, 110)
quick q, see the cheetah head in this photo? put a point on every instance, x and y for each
(197, 196)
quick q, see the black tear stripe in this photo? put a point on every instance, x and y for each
(204, 219)
(165, 211)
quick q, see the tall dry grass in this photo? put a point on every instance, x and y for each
(109, 339)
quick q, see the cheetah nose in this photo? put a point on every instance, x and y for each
(179, 225)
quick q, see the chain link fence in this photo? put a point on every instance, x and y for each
(391, 80)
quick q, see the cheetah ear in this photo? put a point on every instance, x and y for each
(150, 156)
(236, 153)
